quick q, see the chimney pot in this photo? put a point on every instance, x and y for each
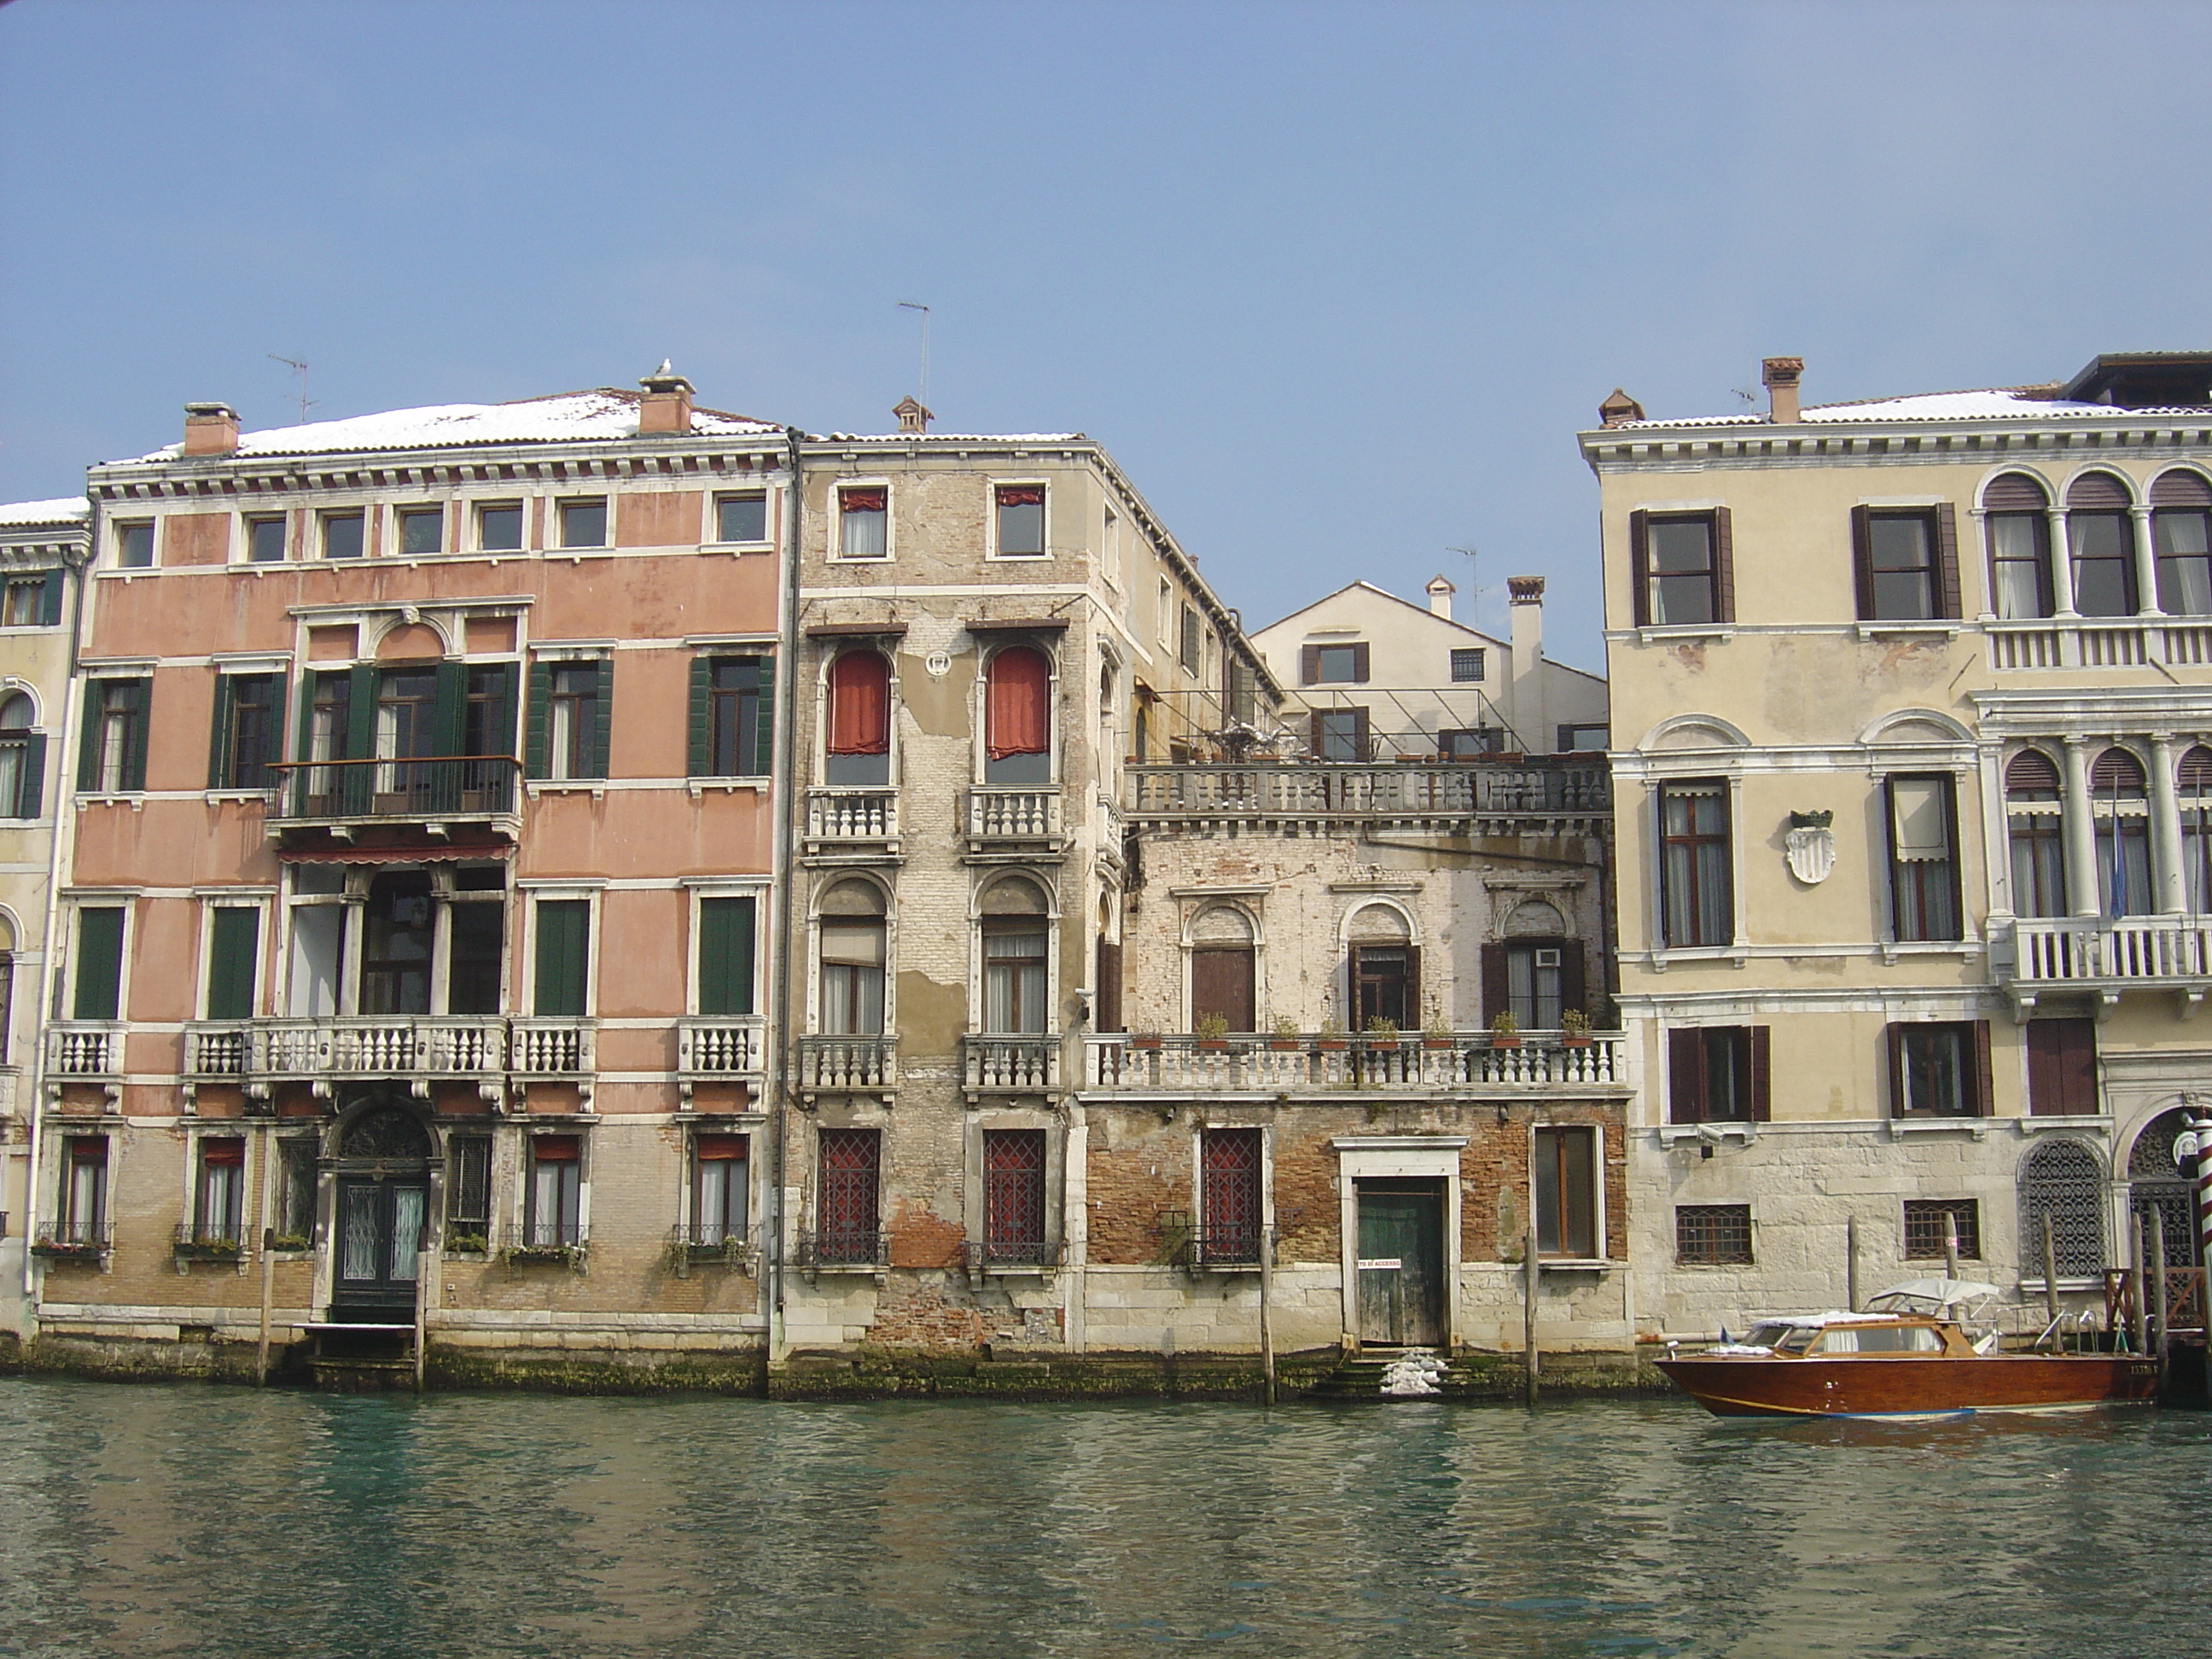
(1440, 592)
(1781, 375)
(1526, 590)
(1618, 410)
(666, 408)
(211, 429)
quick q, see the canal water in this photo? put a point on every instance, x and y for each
(185, 1520)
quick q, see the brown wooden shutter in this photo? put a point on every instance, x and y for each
(1762, 1075)
(1686, 1077)
(1724, 567)
(1893, 1037)
(2078, 1066)
(1983, 1092)
(1359, 662)
(1639, 568)
(1413, 987)
(1572, 982)
(1862, 561)
(1221, 983)
(1359, 740)
(1308, 664)
(1496, 987)
(2045, 1050)
(1946, 560)
(1109, 986)
(2013, 492)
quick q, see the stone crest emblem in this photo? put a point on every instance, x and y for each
(1810, 847)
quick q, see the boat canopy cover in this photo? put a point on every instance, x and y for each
(1934, 1295)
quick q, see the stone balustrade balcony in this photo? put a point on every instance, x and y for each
(1513, 792)
(415, 1048)
(2108, 955)
(1011, 1065)
(1116, 1062)
(1014, 819)
(845, 820)
(864, 1063)
(2098, 642)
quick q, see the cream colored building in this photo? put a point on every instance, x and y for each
(1913, 715)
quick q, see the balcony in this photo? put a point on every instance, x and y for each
(341, 794)
(1011, 1065)
(986, 1257)
(2098, 642)
(1020, 819)
(1509, 793)
(851, 822)
(1116, 1062)
(2111, 954)
(218, 1051)
(85, 1051)
(543, 1047)
(858, 1064)
(87, 1244)
(709, 1243)
(417, 1049)
(867, 1252)
(208, 1240)
(1211, 1247)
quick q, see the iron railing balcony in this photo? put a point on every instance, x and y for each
(1014, 1255)
(1310, 1062)
(1449, 790)
(1010, 1065)
(859, 1061)
(75, 1241)
(856, 1250)
(448, 788)
(1225, 1244)
(711, 1244)
(209, 1241)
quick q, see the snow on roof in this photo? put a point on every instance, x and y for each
(605, 413)
(954, 438)
(1993, 403)
(61, 509)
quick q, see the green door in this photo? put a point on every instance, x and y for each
(1401, 1263)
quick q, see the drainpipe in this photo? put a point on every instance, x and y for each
(786, 841)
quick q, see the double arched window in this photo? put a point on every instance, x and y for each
(2103, 570)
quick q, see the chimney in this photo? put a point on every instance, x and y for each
(1618, 410)
(1440, 598)
(1527, 714)
(666, 408)
(911, 417)
(1781, 374)
(211, 429)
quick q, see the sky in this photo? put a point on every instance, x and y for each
(1336, 284)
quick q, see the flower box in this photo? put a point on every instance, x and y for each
(1147, 1042)
(1285, 1045)
(1506, 1042)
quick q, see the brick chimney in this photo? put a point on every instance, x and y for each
(665, 407)
(1440, 596)
(211, 429)
(1528, 714)
(1781, 374)
(1618, 410)
(911, 417)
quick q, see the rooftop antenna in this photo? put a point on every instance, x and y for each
(1474, 589)
(299, 366)
(921, 394)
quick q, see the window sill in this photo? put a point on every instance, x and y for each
(2035, 1286)
(595, 787)
(1947, 628)
(1685, 633)
(2081, 1125)
(1962, 948)
(1697, 956)
(1672, 1135)
(135, 799)
(739, 547)
(698, 786)
(1574, 1264)
(213, 796)
(1978, 1127)
(860, 558)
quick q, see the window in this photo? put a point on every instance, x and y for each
(112, 759)
(83, 1218)
(556, 1214)
(1384, 970)
(1923, 860)
(7, 994)
(406, 731)
(2037, 835)
(1013, 1195)
(1016, 996)
(562, 983)
(2193, 785)
(1532, 980)
(741, 518)
(1337, 734)
(852, 954)
(33, 600)
(1230, 1200)
(1928, 1223)
(249, 722)
(476, 914)
(1940, 1070)
(218, 1204)
(848, 1187)
(2062, 1068)
(584, 522)
(727, 929)
(325, 790)
(1469, 743)
(421, 530)
(134, 544)
(397, 936)
(1164, 612)
(1343, 665)
(296, 1192)
(1466, 666)
(22, 761)
(1713, 1235)
(2017, 511)
(233, 950)
(342, 535)
(568, 723)
(1223, 969)
(1190, 655)
(2181, 536)
(468, 1192)
(2062, 1181)
(99, 992)
(863, 522)
(2100, 535)
(1696, 899)
(1585, 739)
(1566, 1193)
(719, 1166)
(858, 745)
(499, 526)
(1020, 520)
(732, 716)
(1018, 717)
(2120, 809)
(321, 924)
(1683, 567)
(1906, 563)
(1718, 1074)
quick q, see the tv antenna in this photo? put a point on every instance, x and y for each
(299, 368)
(920, 396)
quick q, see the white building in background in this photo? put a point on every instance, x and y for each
(1382, 679)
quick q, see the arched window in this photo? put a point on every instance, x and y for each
(851, 953)
(2017, 511)
(2119, 804)
(1384, 969)
(2193, 784)
(2061, 1182)
(1016, 953)
(7, 986)
(2158, 1188)
(22, 760)
(2181, 534)
(2033, 821)
(2102, 536)
(1223, 980)
(1107, 1015)
(1018, 717)
(858, 749)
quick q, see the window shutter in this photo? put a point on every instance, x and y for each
(450, 717)
(1308, 664)
(99, 964)
(88, 747)
(360, 713)
(49, 600)
(232, 935)
(1639, 568)
(764, 718)
(726, 955)
(1724, 567)
(1893, 1036)
(1313, 733)
(1359, 662)
(1108, 985)
(602, 714)
(1572, 986)
(1947, 560)
(498, 733)
(31, 799)
(1762, 1075)
(1496, 989)
(1360, 750)
(701, 731)
(1983, 1092)
(1862, 561)
(225, 690)
(135, 700)
(563, 940)
(1412, 986)
(2078, 1066)
(276, 739)
(535, 763)
(1686, 1077)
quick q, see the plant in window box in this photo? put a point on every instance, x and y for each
(1505, 1031)
(1143, 1039)
(1574, 1029)
(289, 1243)
(1285, 1035)
(537, 1255)
(467, 1244)
(1214, 1031)
(1332, 1034)
(1382, 1033)
(190, 1248)
(1436, 1032)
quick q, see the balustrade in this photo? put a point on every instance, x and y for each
(1187, 1065)
(1463, 789)
(1015, 1065)
(847, 1062)
(852, 815)
(1007, 814)
(2098, 948)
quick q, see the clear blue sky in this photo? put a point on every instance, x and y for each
(1336, 283)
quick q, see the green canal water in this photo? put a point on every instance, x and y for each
(150, 1520)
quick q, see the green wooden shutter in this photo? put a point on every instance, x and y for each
(726, 955)
(701, 732)
(276, 688)
(602, 714)
(136, 698)
(499, 733)
(233, 937)
(451, 715)
(49, 600)
(303, 744)
(226, 693)
(99, 963)
(564, 942)
(536, 762)
(763, 717)
(31, 799)
(87, 746)
(354, 782)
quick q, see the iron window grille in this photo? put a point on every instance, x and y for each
(1713, 1235)
(1927, 1226)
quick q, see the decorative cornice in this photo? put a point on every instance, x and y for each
(1691, 449)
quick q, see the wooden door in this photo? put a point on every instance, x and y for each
(1221, 983)
(1401, 1263)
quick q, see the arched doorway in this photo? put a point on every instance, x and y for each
(2157, 1187)
(383, 1204)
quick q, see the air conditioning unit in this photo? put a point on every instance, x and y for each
(1547, 958)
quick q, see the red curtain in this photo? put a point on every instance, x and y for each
(1018, 716)
(557, 1149)
(861, 704)
(720, 1148)
(862, 501)
(1021, 495)
(219, 1152)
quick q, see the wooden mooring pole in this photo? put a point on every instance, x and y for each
(1529, 1271)
(1851, 1263)
(2140, 1334)
(1950, 1244)
(2050, 1284)
(1266, 1321)
(2156, 1234)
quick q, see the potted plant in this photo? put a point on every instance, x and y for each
(1504, 1031)
(1332, 1034)
(1382, 1033)
(289, 1243)
(464, 1244)
(1213, 1031)
(1286, 1034)
(1574, 1029)
(530, 1255)
(1435, 1032)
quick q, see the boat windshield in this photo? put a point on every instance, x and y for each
(1766, 1334)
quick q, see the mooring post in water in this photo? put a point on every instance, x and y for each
(2155, 1235)
(1528, 1272)
(269, 1145)
(1950, 1244)
(2203, 1130)
(2051, 1281)
(1266, 1325)
(1851, 1263)
(2142, 1331)
(424, 1267)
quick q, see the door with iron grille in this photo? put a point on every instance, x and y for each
(1229, 1196)
(851, 1180)
(382, 1197)
(1013, 1196)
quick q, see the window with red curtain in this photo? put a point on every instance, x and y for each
(861, 704)
(1018, 714)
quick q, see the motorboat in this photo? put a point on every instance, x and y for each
(1909, 1355)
